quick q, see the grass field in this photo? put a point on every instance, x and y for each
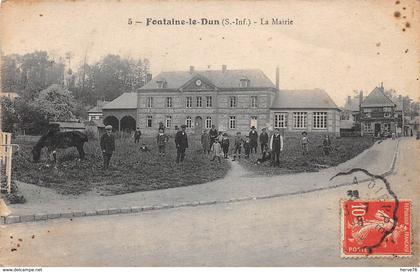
(131, 170)
(293, 161)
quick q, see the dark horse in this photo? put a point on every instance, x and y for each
(55, 139)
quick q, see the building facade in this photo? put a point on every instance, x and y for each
(295, 111)
(231, 100)
(95, 113)
(379, 115)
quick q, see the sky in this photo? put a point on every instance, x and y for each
(338, 46)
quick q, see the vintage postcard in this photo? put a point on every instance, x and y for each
(209, 133)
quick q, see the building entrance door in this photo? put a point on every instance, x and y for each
(377, 129)
(198, 125)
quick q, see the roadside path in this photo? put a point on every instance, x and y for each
(236, 185)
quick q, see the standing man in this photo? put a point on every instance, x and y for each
(107, 145)
(213, 135)
(205, 142)
(238, 145)
(276, 146)
(137, 135)
(263, 140)
(181, 143)
(253, 140)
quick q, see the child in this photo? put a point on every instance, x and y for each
(305, 143)
(220, 137)
(266, 156)
(225, 145)
(238, 145)
(217, 150)
(161, 140)
(247, 147)
(326, 144)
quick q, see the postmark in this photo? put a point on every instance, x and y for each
(377, 228)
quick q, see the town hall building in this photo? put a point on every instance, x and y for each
(231, 100)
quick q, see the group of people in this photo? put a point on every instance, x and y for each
(217, 143)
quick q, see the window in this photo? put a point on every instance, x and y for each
(387, 109)
(168, 121)
(188, 122)
(208, 122)
(161, 84)
(232, 122)
(232, 102)
(150, 102)
(367, 127)
(199, 101)
(320, 119)
(280, 120)
(387, 127)
(254, 103)
(345, 116)
(254, 121)
(368, 115)
(299, 120)
(387, 114)
(169, 102)
(189, 102)
(244, 83)
(209, 101)
(149, 120)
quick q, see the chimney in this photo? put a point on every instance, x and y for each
(148, 78)
(349, 100)
(224, 67)
(191, 69)
(382, 86)
(278, 78)
(360, 98)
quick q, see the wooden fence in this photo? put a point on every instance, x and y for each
(6, 153)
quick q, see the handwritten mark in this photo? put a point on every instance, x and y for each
(390, 191)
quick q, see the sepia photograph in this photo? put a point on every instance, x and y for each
(209, 134)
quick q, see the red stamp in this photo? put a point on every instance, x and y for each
(376, 228)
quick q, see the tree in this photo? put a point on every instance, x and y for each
(8, 114)
(30, 73)
(56, 103)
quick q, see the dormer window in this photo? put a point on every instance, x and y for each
(244, 82)
(162, 83)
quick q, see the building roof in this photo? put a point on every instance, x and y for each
(377, 98)
(352, 104)
(124, 101)
(98, 123)
(398, 103)
(98, 107)
(221, 79)
(304, 99)
(74, 125)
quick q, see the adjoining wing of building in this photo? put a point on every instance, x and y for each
(232, 100)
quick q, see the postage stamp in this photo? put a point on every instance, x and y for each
(375, 228)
